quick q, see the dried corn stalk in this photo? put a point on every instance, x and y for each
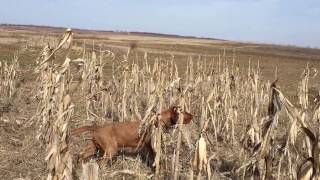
(90, 171)
(262, 151)
(8, 81)
(55, 111)
(49, 53)
(177, 150)
(310, 167)
(59, 157)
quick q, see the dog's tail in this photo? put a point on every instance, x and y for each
(82, 129)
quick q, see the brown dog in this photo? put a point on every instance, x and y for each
(111, 137)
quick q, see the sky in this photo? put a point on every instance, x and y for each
(287, 22)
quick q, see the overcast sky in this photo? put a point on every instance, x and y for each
(294, 22)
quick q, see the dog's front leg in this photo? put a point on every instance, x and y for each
(108, 154)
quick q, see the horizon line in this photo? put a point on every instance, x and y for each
(145, 33)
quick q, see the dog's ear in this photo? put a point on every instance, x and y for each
(187, 117)
(176, 108)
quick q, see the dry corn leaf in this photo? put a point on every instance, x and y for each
(200, 156)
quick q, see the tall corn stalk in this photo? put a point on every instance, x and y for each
(55, 110)
(177, 150)
(304, 100)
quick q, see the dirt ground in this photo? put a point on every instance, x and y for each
(21, 155)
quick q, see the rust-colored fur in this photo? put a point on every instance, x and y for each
(111, 137)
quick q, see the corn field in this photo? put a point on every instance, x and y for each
(243, 127)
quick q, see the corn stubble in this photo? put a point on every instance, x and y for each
(9, 80)
(233, 109)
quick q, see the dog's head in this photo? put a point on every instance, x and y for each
(170, 117)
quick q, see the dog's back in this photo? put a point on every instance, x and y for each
(124, 134)
(83, 129)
